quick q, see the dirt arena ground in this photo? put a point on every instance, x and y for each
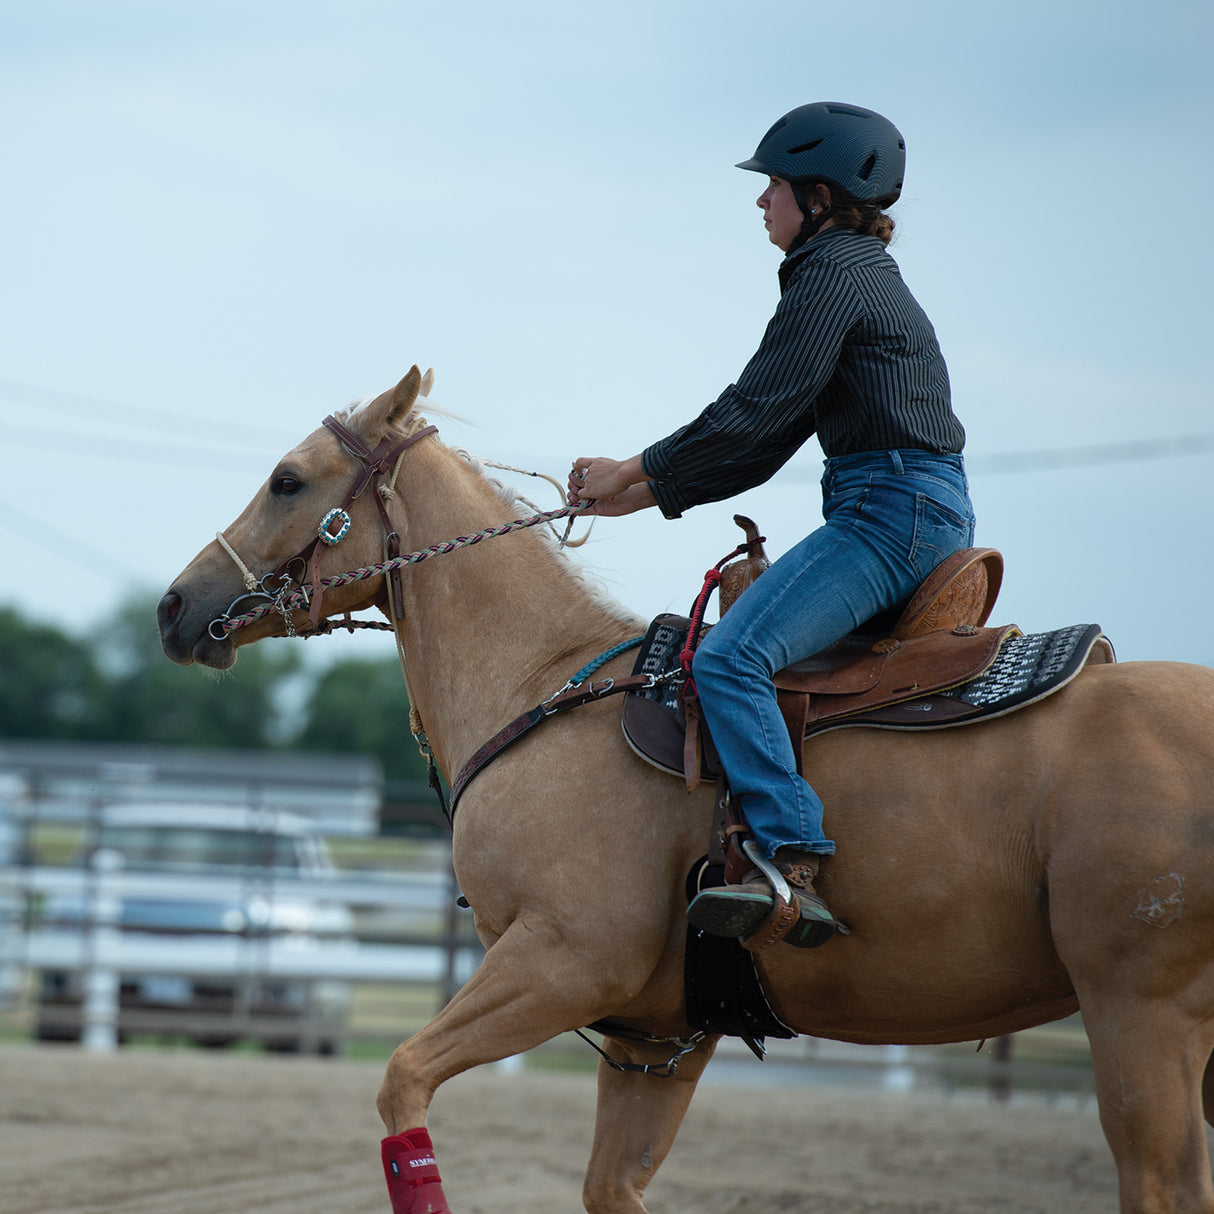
(143, 1132)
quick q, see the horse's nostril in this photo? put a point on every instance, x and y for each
(168, 609)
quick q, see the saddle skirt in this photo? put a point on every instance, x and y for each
(937, 667)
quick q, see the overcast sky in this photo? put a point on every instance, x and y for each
(222, 221)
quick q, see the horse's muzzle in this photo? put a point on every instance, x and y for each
(185, 642)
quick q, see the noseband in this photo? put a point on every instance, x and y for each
(303, 571)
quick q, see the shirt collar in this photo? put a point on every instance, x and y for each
(792, 263)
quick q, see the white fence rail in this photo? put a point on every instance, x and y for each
(99, 954)
(424, 891)
(209, 957)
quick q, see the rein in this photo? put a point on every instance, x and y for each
(297, 583)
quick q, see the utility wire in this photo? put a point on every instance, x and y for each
(212, 457)
(202, 454)
(1054, 459)
(1131, 452)
(69, 548)
(98, 409)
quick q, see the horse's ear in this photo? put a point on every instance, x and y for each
(427, 383)
(404, 396)
(388, 410)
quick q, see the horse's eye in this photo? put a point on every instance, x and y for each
(285, 485)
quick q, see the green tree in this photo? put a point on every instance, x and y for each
(119, 687)
(361, 705)
(50, 686)
(149, 699)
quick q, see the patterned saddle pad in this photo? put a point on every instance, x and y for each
(1026, 669)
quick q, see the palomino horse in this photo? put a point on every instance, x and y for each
(995, 876)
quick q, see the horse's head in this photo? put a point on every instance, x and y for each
(312, 501)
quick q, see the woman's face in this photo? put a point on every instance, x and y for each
(781, 215)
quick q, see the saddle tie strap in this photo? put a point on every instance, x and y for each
(712, 580)
(687, 693)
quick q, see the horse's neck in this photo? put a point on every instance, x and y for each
(492, 629)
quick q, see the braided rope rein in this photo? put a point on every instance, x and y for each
(298, 599)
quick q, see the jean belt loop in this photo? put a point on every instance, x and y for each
(896, 459)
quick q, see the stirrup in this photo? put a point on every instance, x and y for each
(775, 878)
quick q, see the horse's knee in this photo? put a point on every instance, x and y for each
(383, 1099)
(401, 1102)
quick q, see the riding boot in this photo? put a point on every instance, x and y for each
(739, 910)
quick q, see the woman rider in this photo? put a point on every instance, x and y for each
(848, 355)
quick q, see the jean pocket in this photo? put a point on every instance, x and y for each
(939, 532)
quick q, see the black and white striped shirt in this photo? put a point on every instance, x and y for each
(849, 354)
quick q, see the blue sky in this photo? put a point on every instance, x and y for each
(221, 222)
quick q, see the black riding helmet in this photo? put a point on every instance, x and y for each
(856, 152)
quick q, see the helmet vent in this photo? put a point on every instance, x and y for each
(866, 169)
(842, 109)
(804, 147)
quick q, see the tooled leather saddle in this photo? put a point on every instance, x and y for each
(911, 669)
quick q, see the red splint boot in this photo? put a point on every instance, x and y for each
(412, 1174)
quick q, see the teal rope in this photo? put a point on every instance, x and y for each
(603, 658)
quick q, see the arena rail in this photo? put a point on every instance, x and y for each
(94, 946)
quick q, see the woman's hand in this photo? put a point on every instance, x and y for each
(597, 478)
(634, 498)
(614, 486)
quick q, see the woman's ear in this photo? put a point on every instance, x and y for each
(821, 195)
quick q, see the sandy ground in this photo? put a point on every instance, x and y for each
(142, 1132)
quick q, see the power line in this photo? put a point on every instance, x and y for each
(203, 454)
(68, 548)
(190, 453)
(1131, 452)
(97, 408)
(1054, 459)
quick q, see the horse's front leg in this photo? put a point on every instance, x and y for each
(636, 1121)
(530, 987)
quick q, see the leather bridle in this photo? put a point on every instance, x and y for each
(303, 570)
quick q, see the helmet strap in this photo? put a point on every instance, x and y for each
(810, 223)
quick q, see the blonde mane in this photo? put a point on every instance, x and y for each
(514, 499)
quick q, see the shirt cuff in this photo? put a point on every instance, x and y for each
(665, 492)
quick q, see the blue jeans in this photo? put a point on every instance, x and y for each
(890, 518)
